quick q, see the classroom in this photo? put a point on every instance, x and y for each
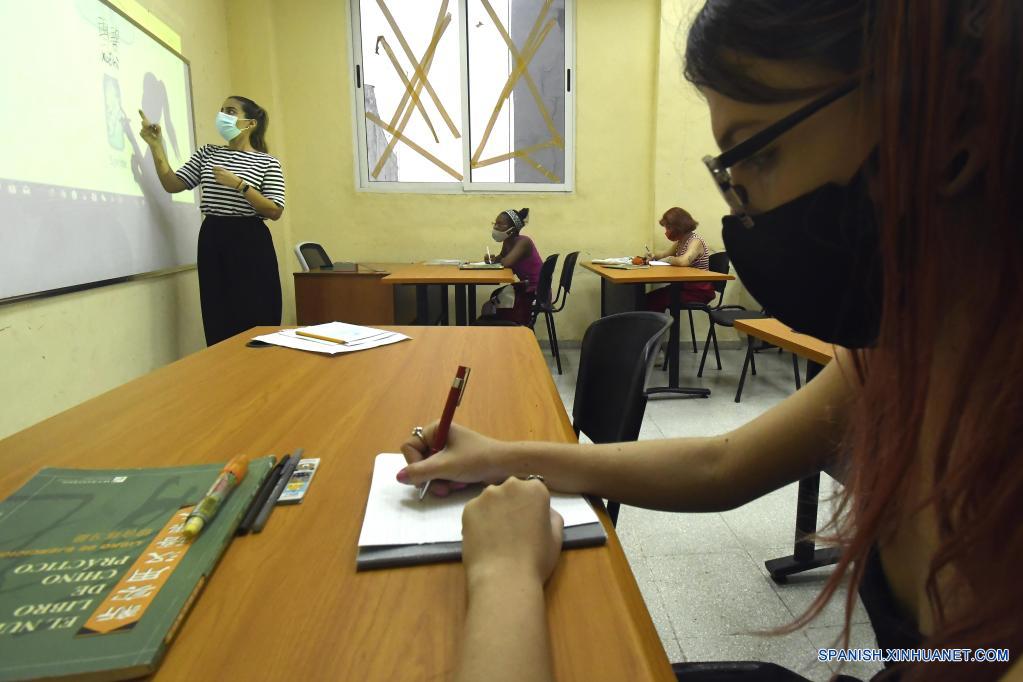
(720, 410)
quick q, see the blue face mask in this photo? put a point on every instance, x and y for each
(227, 126)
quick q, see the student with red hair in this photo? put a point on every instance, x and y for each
(687, 250)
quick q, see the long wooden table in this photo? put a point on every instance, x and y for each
(805, 554)
(464, 281)
(673, 277)
(287, 604)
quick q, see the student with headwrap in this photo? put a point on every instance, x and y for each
(514, 302)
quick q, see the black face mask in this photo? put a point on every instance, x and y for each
(814, 263)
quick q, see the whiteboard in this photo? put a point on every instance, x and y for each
(80, 201)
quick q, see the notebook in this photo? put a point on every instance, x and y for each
(399, 529)
(480, 266)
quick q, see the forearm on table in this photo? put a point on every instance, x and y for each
(792, 440)
(506, 636)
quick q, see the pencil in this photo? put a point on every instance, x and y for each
(320, 337)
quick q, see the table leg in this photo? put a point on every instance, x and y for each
(444, 312)
(603, 297)
(472, 303)
(805, 554)
(422, 305)
(460, 305)
(673, 389)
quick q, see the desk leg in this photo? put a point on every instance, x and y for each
(603, 297)
(805, 554)
(472, 304)
(422, 305)
(460, 305)
(673, 389)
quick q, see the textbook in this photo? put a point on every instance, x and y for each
(96, 576)
(399, 529)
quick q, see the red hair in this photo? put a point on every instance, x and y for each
(950, 94)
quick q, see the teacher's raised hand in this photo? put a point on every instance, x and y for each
(151, 133)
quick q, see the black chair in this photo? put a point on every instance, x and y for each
(617, 355)
(565, 284)
(718, 263)
(311, 256)
(543, 304)
(725, 316)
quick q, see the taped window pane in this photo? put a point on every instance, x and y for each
(412, 90)
(517, 90)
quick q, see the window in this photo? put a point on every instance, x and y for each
(463, 95)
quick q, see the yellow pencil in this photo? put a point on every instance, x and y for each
(321, 338)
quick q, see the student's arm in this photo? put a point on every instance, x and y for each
(691, 254)
(790, 441)
(151, 134)
(511, 541)
(518, 251)
(667, 253)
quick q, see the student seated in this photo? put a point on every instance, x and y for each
(687, 249)
(895, 157)
(514, 302)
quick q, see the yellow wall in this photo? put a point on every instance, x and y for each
(57, 352)
(609, 213)
(640, 132)
(683, 138)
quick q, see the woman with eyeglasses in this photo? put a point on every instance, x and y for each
(871, 151)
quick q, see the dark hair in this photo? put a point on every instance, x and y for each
(522, 213)
(262, 119)
(828, 33)
(679, 219)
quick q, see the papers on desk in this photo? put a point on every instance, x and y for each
(400, 529)
(354, 338)
(657, 262)
(624, 260)
(481, 265)
(444, 261)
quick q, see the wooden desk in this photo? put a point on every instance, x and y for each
(779, 334)
(421, 275)
(805, 554)
(353, 297)
(673, 277)
(287, 604)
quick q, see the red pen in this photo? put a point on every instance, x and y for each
(440, 436)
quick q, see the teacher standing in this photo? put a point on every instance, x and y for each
(241, 184)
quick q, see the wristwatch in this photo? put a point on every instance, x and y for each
(245, 188)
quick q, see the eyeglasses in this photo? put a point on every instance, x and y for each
(719, 165)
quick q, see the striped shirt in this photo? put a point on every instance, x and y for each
(702, 261)
(258, 169)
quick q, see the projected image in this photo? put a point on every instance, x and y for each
(75, 177)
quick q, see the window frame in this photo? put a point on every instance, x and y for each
(466, 186)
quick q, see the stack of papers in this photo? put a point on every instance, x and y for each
(624, 260)
(444, 261)
(348, 338)
(481, 265)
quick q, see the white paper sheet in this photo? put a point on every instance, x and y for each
(658, 262)
(396, 516)
(356, 338)
(444, 261)
(623, 260)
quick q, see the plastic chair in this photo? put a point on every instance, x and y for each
(718, 263)
(311, 255)
(542, 305)
(617, 354)
(565, 284)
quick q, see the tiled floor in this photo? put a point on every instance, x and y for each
(703, 575)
